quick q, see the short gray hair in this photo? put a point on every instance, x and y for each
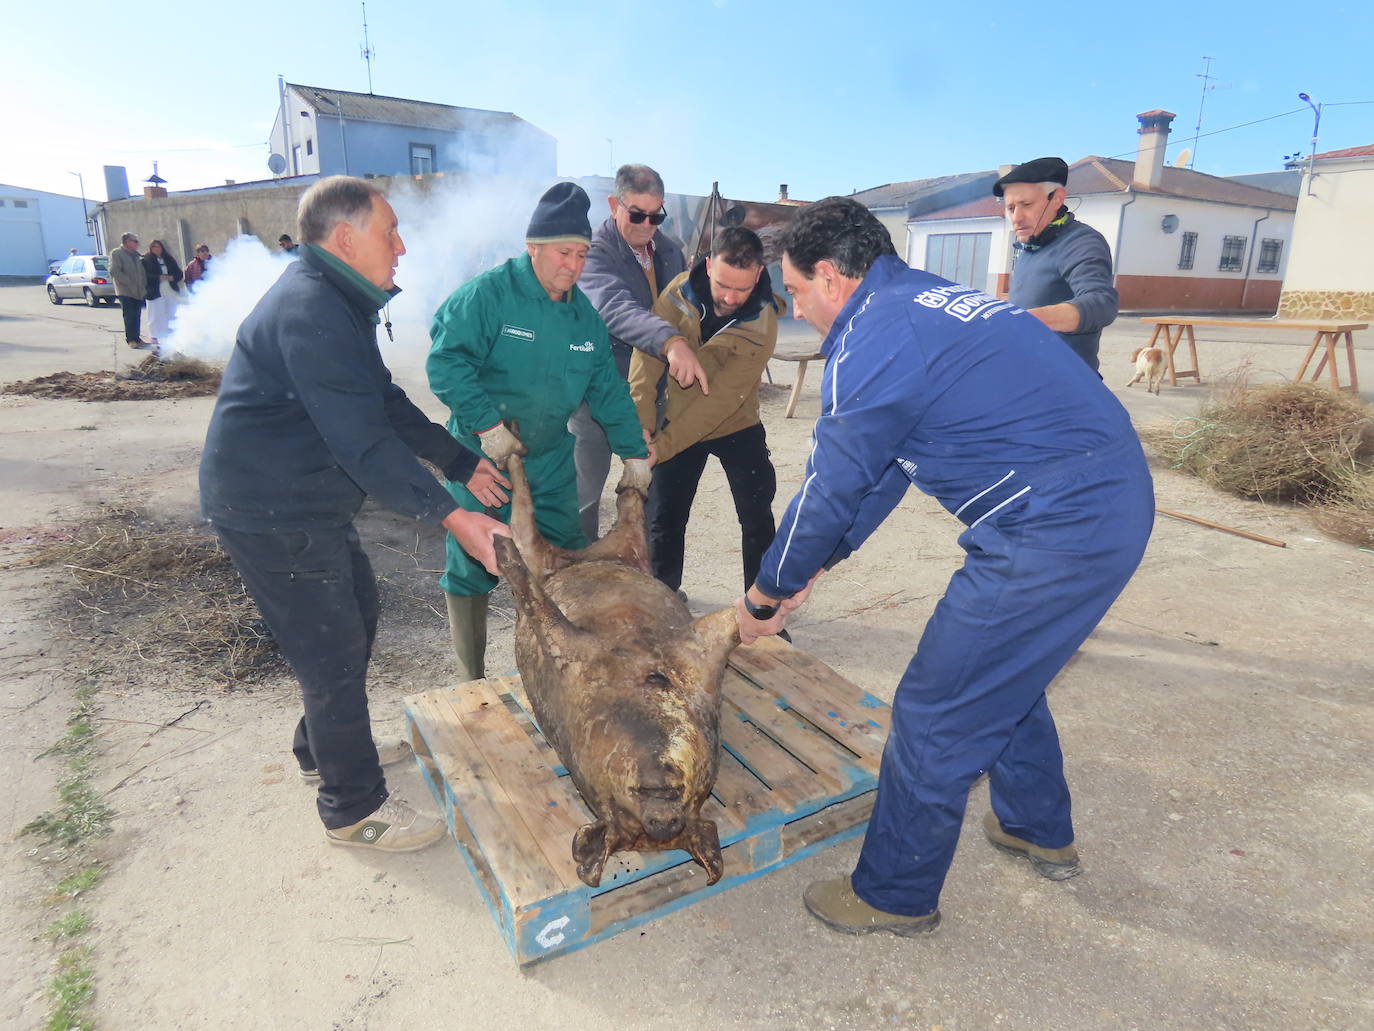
(637, 179)
(1049, 188)
(340, 198)
(129, 236)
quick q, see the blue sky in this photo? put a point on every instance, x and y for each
(825, 97)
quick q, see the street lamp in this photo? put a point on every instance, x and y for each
(85, 215)
(1316, 124)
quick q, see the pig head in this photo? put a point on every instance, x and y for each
(624, 683)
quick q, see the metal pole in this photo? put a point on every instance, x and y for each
(85, 214)
(1316, 124)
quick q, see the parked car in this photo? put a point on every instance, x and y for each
(82, 275)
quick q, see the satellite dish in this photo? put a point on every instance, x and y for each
(276, 164)
(1168, 223)
(1184, 156)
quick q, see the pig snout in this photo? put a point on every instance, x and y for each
(662, 823)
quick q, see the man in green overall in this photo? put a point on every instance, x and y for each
(521, 343)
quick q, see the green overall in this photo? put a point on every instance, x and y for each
(503, 350)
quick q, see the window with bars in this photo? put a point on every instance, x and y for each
(1188, 250)
(1270, 251)
(1232, 253)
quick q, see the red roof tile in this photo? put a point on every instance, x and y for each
(1366, 151)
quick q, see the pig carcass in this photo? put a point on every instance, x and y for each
(624, 683)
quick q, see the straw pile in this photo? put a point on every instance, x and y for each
(1295, 442)
(153, 379)
(161, 596)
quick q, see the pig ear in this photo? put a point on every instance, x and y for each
(591, 847)
(718, 634)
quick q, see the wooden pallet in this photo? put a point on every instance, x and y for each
(800, 748)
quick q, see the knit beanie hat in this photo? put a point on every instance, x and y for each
(561, 215)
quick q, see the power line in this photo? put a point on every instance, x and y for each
(1257, 121)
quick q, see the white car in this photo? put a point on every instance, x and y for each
(82, 275)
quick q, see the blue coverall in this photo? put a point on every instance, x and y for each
(937, 384)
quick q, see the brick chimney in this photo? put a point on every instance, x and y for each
(1149, 158)
(153, 192)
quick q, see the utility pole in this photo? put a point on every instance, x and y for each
(85, 214)
(1316, 124)
(1208, 80)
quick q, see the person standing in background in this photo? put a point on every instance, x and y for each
(131, 286)
(163, 290)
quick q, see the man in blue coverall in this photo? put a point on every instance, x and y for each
(940, 385)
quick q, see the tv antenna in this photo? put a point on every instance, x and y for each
(366, 50)
(1209, 83)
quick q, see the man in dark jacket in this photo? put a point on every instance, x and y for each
(1063, 272)
(629, 264)
(307, 424)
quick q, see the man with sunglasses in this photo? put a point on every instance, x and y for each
(629, 264)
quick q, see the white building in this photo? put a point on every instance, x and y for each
(1331, 270)
(322, 131)
(1180, 240)
(37, 228)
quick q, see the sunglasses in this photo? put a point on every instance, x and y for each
(656, 219)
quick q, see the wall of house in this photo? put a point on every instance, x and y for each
(918, 234)
(1148, 276)
(1331, 272)
(37, 227)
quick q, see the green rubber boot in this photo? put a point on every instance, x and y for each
(467, 625)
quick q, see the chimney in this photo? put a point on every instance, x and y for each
(1149, 158)
(153, 192)
(782, 193)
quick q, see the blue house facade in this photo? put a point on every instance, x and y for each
(336, 132)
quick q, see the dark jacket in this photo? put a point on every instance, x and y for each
(308, 421)
(616, 285)
(196, 270)
(1076, 266)
(153, 273)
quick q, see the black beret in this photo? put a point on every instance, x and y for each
(1041, 170)
(561, 215)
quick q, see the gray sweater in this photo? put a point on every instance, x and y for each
(614, 282)
(1076, 266)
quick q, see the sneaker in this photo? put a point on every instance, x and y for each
(1057, 864)
(389, 750)
(834, 903)
(395, 827)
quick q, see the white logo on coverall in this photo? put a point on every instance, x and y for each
(586, 345)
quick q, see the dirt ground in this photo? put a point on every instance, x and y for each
(1217, 730)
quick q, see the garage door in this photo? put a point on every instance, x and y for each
(21, 249)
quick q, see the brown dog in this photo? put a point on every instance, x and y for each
(1149, 366)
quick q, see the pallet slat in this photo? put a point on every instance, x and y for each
(798, 766)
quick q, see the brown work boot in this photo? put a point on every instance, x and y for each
(395, 827)
(1058, 864)
(834, 904)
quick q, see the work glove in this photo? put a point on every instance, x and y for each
(499, 443)
(636, 476)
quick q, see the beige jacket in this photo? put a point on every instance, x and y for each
(734, 360)
(127, 271)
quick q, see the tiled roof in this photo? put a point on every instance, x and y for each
(1111, 175)
(984, 207)
(899, 195)
(397, 111)
(1350, 152)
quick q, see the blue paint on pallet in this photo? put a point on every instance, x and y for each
(562, 922)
